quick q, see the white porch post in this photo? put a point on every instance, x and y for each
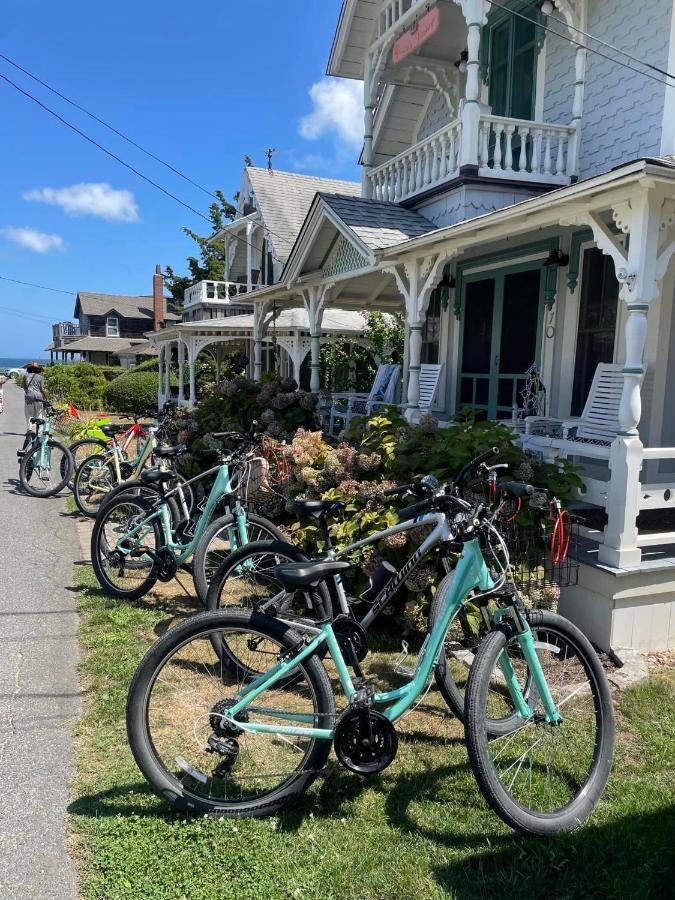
(368, 122)
(192, 357)
(574, 146)
(639, 288)
(181, 362)
(167, 372)
(315, 299)
(160, 364)
(475, 14)
(249, 257)
(416, 279)
(260, 320)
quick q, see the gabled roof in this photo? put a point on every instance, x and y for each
(284, 199)
(369, 225)
(135, 307)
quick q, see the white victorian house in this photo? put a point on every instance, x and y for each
(518, 203)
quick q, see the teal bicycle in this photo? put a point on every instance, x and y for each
(243, 729)
(137, 540)
(46, 464)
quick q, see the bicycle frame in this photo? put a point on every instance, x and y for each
(221, 488)
(471, 573)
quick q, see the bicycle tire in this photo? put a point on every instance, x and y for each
(518, 816)
(174, 790)
(100, 548)
(78, 457)
(202, 569)
(27, 470)
(84, 502)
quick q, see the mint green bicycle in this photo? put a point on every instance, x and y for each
(45, 464)
(233, 713)
(137, 541)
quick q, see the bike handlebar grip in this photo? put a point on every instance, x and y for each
(484, 457)
(392, 492)
(412, 512)
(516, 488)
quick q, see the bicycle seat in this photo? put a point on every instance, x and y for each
(317, 507)
(170, 452)
(111, 430)
(308, 574)
(37, 420)
(155, 476)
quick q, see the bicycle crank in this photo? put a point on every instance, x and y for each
(365, 741)
(165, 564)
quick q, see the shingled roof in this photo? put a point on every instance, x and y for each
(137, 307)
(284, 199)
(378, 223)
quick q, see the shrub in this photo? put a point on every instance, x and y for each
(132, 392)
(82, 384)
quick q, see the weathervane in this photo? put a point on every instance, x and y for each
(269, 153)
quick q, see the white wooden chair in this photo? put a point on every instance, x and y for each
(385, 389)
(430, 376)
(593, 432)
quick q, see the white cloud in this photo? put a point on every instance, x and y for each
(90, 199)
(34, 240)
(338, 107)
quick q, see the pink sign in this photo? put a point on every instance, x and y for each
(425, 28)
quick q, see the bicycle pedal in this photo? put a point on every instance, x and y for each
(364, 694)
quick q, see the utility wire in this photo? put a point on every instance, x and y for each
(101, 147)
(110, 127)
(571, 40)
(23, 315)
(41, 286)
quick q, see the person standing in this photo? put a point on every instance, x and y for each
(3, 379)
(34, 393)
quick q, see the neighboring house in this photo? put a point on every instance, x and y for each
(518, 203)
(111, 327)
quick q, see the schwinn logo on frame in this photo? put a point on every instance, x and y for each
(390, 589)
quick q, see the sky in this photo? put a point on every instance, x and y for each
(200, 85)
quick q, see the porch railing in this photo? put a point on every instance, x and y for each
(212, 291)
(505, 148)
(392, 12)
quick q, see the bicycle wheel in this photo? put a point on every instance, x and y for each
(94, 480)
(80, 450)
(126, 575)
(542, 779)
(178, 735)
(219, 540)
(40, 472)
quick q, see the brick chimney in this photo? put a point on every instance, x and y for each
(158, 299)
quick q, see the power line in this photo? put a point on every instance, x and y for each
(571, 40)
(41, 286)
(107, 125)
(24, 315)
(101, 147)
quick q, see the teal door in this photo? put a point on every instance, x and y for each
(500, 337)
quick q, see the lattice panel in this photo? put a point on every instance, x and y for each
(344, 258)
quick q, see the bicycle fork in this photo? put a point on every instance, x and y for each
(525, 640)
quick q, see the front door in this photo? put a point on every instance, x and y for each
(501, 336)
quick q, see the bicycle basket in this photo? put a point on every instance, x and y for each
(255, 481)
(543, 550)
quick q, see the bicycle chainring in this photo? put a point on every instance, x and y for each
(165, 564)
(347, 631)
(365, 741)
(126, 470)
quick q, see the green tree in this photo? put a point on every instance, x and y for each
(210, 264)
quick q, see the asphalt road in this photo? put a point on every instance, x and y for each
(39, 688)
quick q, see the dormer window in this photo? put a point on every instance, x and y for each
(112, 326)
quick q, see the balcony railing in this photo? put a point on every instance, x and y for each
(507, 148)
(212, 292)
(392, 12)
(66, 329)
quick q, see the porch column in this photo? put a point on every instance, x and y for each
(368, 123)
(160, 361)
(639, 288)
(192, 358)
(577, 112)
(416, 279)
(314, 299)
(260, 320)
(475, 14)
(249, 257)
(167, 372)
(181, 362)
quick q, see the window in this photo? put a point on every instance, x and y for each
(512, 48)
(431, 330)
(112, 326)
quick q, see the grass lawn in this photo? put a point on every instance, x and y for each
(420, 829)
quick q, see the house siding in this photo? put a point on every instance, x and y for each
(559, 77)
(470, 201)
(436, 116)
(623, 110)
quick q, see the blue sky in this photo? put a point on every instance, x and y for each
(200, 85)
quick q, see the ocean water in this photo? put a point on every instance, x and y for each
(14, 362)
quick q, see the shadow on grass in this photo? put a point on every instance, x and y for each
(120, 801)
(631, 856)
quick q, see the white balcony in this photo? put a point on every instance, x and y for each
(218, 293)
(505, 148)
